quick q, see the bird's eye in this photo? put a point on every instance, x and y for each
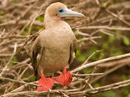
(60, 10)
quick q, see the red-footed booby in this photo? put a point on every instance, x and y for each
(54, 48)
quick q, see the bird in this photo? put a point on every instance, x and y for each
(55, 46)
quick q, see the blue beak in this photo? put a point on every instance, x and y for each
(69, 13)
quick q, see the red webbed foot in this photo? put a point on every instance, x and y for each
(65, 78)
(46, 83)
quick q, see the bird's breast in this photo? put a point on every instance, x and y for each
(56, 43)
(57, 37)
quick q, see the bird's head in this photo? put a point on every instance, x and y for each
(60, 10)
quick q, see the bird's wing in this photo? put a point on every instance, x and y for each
(72, 50)
(36, 49)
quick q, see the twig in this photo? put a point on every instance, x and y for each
(100, 61)
(7, 65)
(107, 27)
(17, 81)
(89, 91)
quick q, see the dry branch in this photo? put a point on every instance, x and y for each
(69, 92)
(19, 26)
(100, 61)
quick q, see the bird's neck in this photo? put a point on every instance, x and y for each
(51, 21)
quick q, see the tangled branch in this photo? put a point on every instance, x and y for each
(20, 23)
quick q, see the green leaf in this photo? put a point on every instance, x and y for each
(97, 85)
(124, 77)
(126, 92)
(78, 53)
(40, 18)
(88, 70)
(26, 74)
(25, 33)
(105, 46)
(1, 12)
(117, 53)
(37, 27)
(110, 94)
(111, 39)
(32, 78)
(93, 49)
(126, 41)
(81, 58)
